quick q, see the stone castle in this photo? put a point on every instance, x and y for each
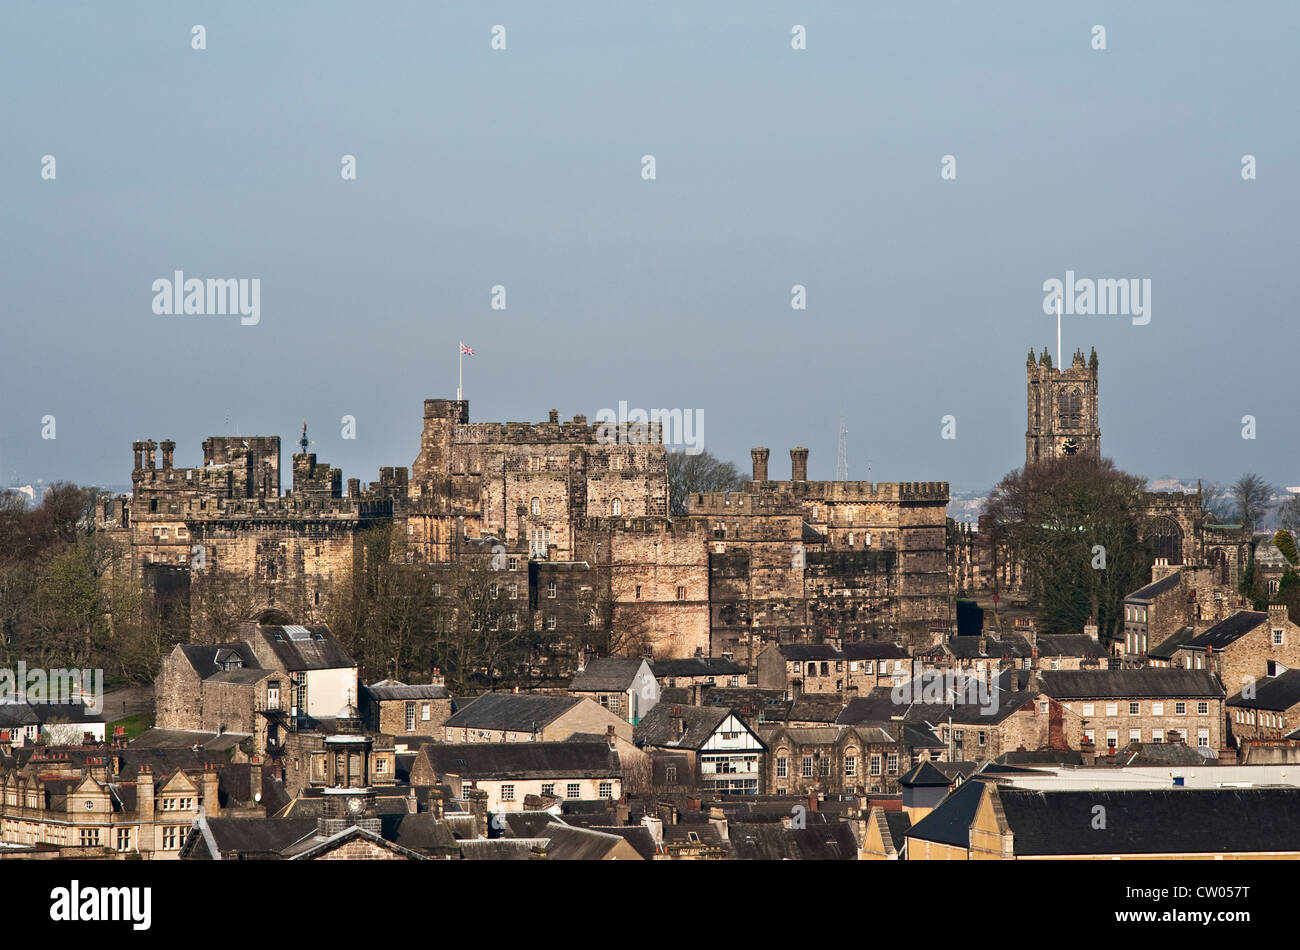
(778, 561)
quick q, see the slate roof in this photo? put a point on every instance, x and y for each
(1154, 753)
(1070, 644)
(1154, 821)
(504, 760)
(1229, 631)
(816, 707)
(511, 712)
(1152, 683)
(949, 823)
(638, 836)
(263, 838)
(1166, 649)
(924, 775)
(392, 689)
(568, 843)
(421, 832)
(769, 841)
(898, 824)
(696, 666)
(306, 647)
(204, 658)
(1152, 591)
(499, 849)
(1275, 693)
(658, 729)
(608, 674)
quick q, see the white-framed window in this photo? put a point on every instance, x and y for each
(1135, 735)
(1090, 736)
(681, 593)
(493, 591)
(548, 789)
(424, 712)
(1112, 709)
(867, 667)
(1157, 736)
(550, 590)
(850, 766)
(123, 839)
(1157, 709)
(550, 623)
(875, 763)
(507, 793)
(1202, 709)
(807, 766)
(1180, 709)
(782, 766)
(535, 506)
(1135, 709)
(574, 790)
(616, 507)
(1277, 638)
(1203, 738)
(891, 763)
(1087, 709)
(606, 789)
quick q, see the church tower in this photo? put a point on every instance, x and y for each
(1063, 418)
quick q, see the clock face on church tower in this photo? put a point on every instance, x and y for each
(1070, 446)
(354, 805)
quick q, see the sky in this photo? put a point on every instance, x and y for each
(523, 168)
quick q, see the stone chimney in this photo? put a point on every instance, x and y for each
(554, 416)
(168, 450)
(610, 736)
(144, 793)
(354, 487)
(149, 448)
(1277, 613)
(138, 449)
(211, 792)
(759, 455)
(799, 464)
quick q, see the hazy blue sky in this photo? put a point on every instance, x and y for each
(523, 168)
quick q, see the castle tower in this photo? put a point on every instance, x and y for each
(1063, 417)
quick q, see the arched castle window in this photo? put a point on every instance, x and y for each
(1076, 408)
(536, 506)
(616, 507)
(1166, 540)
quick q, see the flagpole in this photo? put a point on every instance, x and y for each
(1059, 365)
(460, 379)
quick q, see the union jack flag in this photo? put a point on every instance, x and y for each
(466, 350)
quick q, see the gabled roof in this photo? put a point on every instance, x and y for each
(250, 837)
(568, 843)
(608, 674)
(305, 648)
(857, 650)
(1229, 631)
(659, 727)
(1276, 693)
(1154, 590)
(1152, 683)
(816, 707)
(512, 712)
(968, 647)
(484, 761)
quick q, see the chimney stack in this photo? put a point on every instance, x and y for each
(149, 448)
(799, 464)
(144, 793)
(759, 455)
(211, 792)
(168, 449)
(554, 415)
(138, 448)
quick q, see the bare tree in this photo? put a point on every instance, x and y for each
(698, 473)
(1251, 494)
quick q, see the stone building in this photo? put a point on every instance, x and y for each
(1110, 709)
